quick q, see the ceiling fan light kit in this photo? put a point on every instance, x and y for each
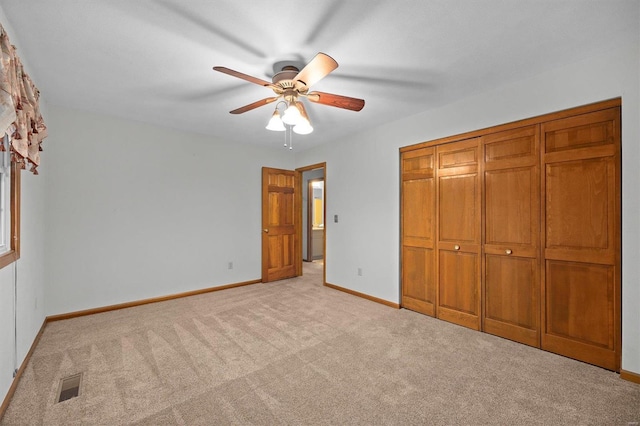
(303, 129)
(275, 123)
(303, 125)
(291, 115)
(289, 85)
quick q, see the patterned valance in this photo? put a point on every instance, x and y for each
(20, 117)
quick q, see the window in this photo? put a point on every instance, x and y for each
(9, 207)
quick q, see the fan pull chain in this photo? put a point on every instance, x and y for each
(290, 138)
(285, 138)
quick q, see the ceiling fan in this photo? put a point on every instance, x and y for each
(291, 83)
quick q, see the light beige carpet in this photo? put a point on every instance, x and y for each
(295, 352)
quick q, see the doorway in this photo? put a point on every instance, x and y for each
(315, 221)
(285, 219)
(313, 213)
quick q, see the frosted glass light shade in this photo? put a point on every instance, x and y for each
(292, 115)
(275, 123)
(303, 128)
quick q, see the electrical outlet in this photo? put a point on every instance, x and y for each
(359, 272)
(335, 218)
(230, 265)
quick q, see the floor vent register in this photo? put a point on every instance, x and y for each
(69, 387)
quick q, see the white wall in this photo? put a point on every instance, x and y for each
(135, 211)
(363, 173)
(30, 283)
(30, 267)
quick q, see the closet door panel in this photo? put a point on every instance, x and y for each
(581, 238)
(576, 289)
(456, 207)
(457, 272)
(418, 280)
(418, 207)
(580, 312)
(459, 233)
(595, 129)
(418, 231)
(580, 210)
(511, 287)
(510, 207)
(512, 298)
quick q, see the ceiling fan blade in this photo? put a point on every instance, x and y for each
(246, 77)
(339, 101)
(321, 65)
(254, 105)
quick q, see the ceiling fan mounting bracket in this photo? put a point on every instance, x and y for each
(291, 64)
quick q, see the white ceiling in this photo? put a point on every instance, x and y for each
(151, 60)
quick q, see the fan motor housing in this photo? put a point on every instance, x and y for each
(285, 77)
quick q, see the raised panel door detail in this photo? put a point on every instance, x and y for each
(458, 282)
(280, 251)
(280, 209)
(287, 208)
(282, 180)
(276, 251)
(418, 163)
(509, 206)
(463, 157)
(578, 202)
(418, 279)
(580, 136)
(512, 291)
(273, 215)
(287, 250)
(417, 210)
(510, 149)
(579, 302)
(457, 208)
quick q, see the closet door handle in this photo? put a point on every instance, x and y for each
(456, 247)
(508, 251)
(265, 230)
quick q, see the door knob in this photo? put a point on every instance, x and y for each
(508, 251)
(456, 247)
(265, 230)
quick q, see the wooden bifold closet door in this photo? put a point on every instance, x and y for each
(418, 231)
(581, 181)
(458, 209)
(515, 230)
(512, 234)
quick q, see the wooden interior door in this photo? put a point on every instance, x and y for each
(279, 224)
(418, 231)
(459, 233)
(581, 238)
(512, 233)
